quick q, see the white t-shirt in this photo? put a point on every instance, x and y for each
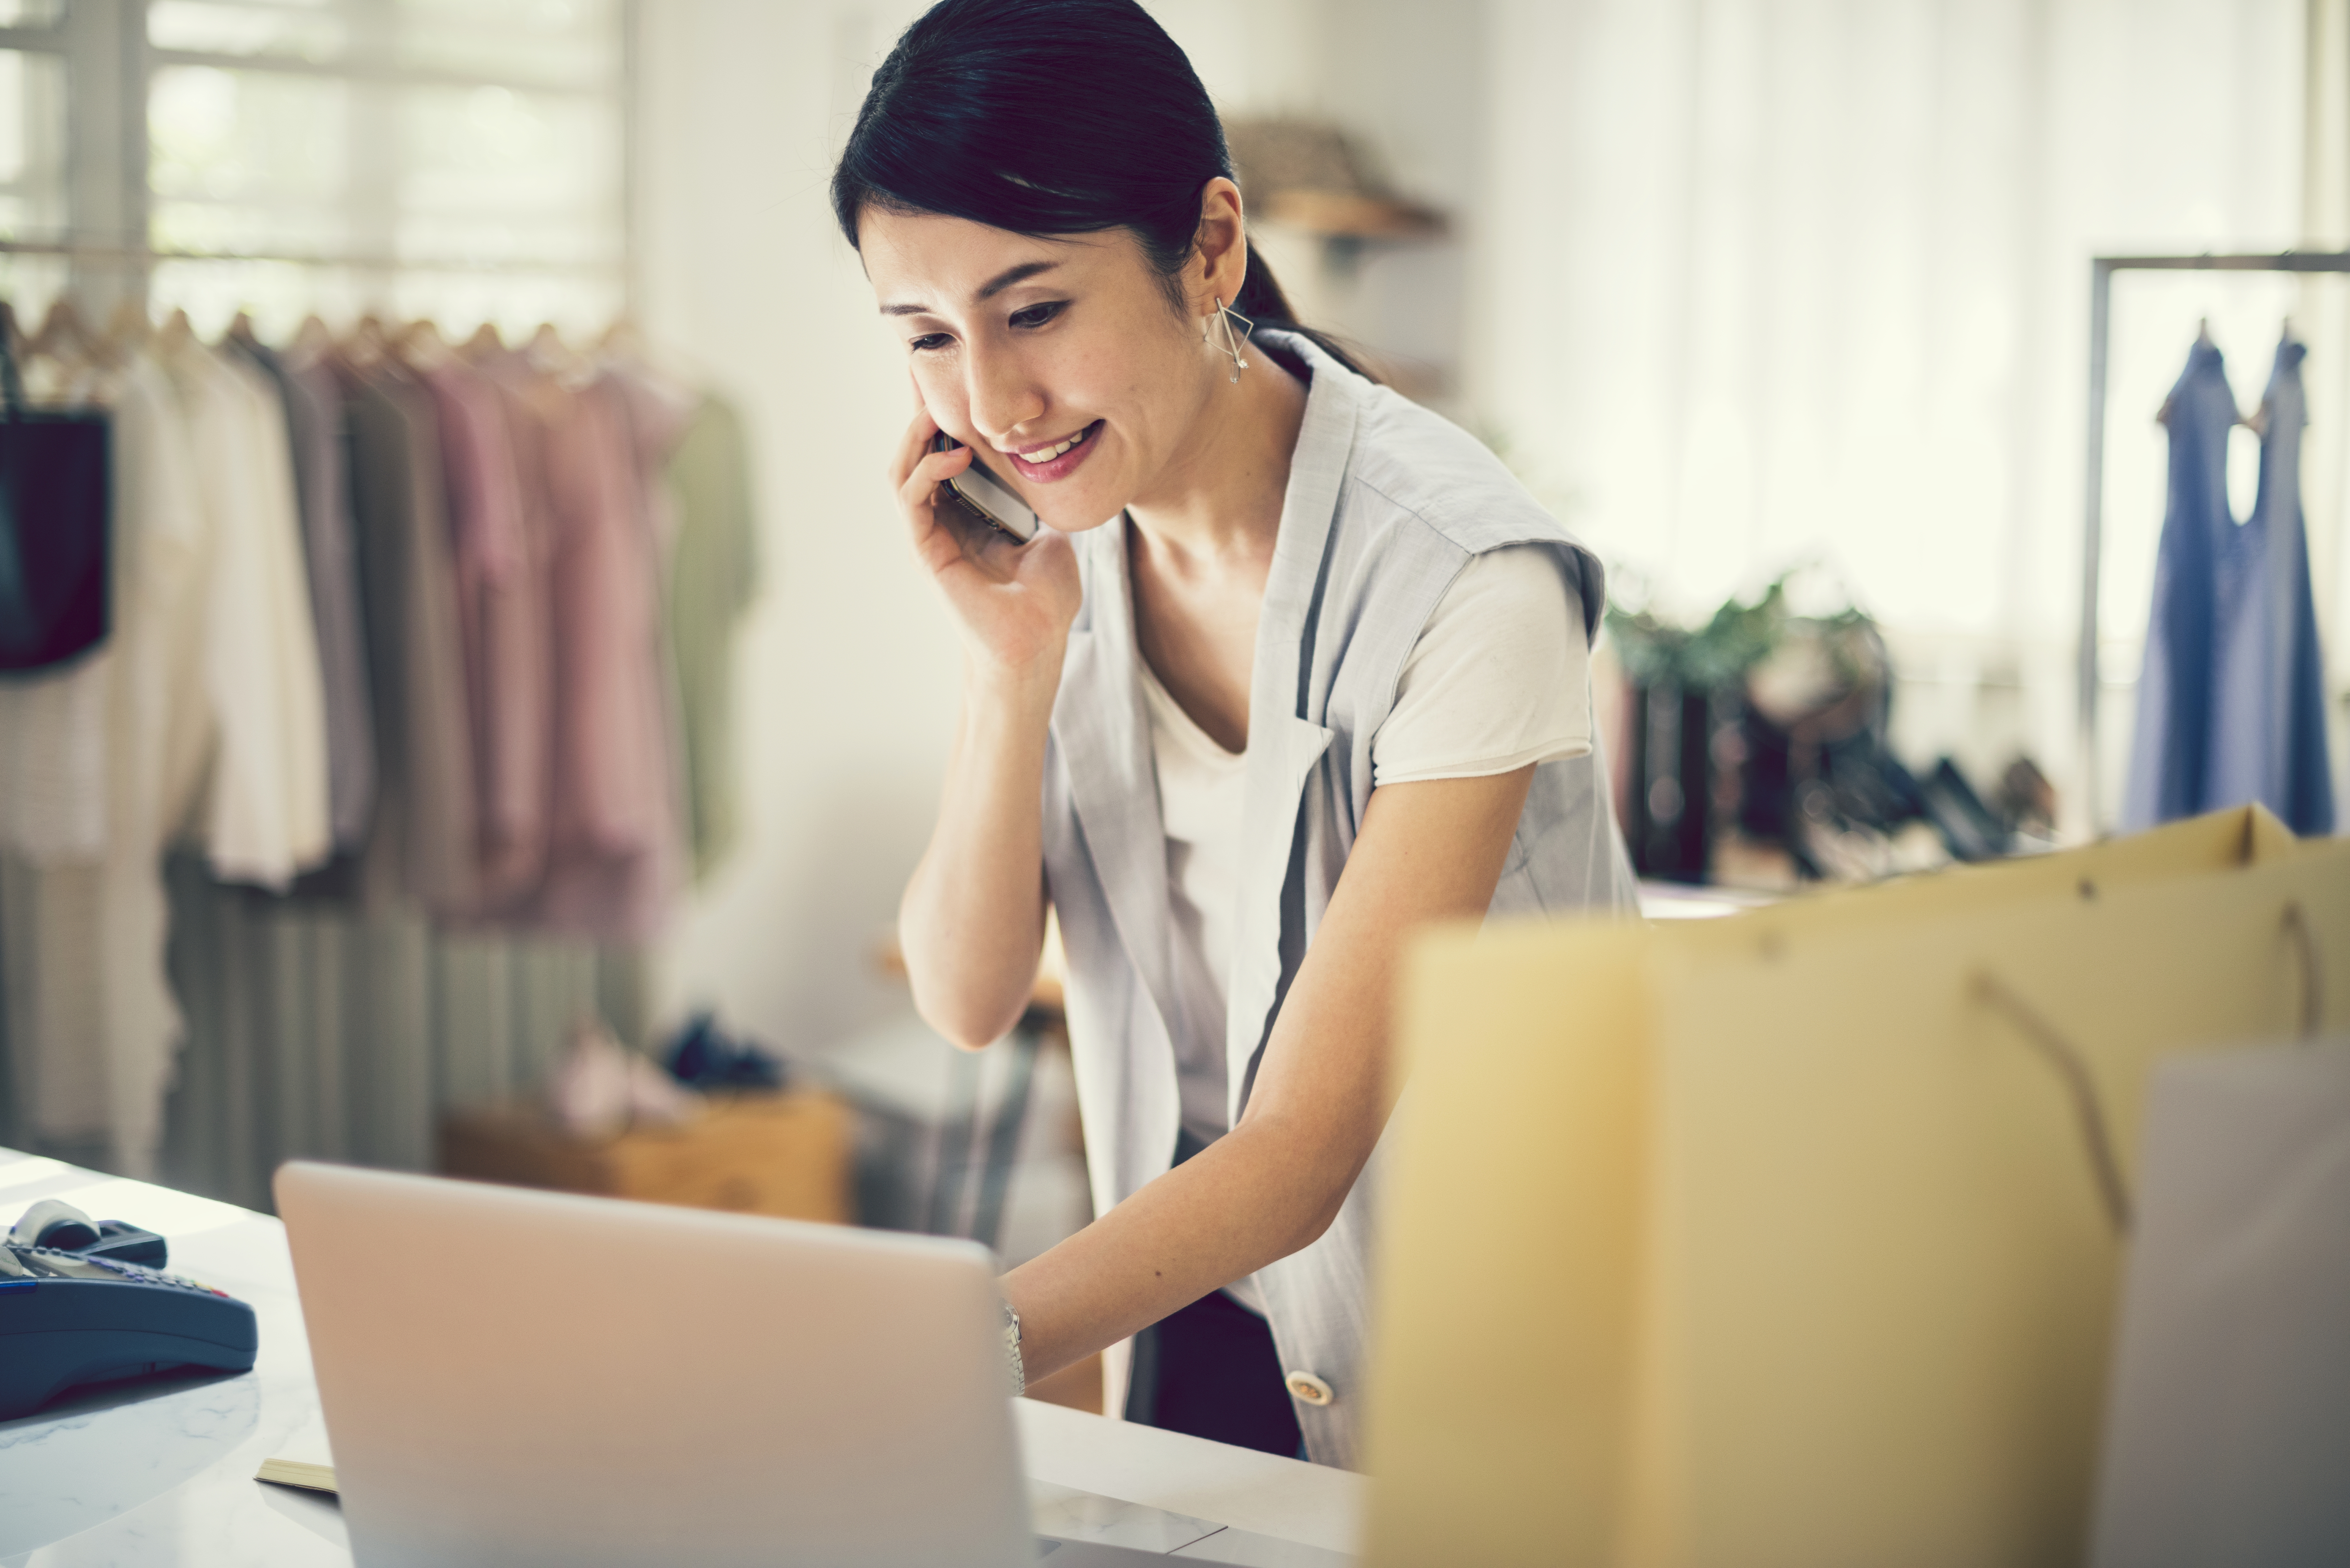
(1499, 679)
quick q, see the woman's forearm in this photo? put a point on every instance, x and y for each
(1264, 1191)
(1252, 1197)
(972, 918)
(1273, 1185)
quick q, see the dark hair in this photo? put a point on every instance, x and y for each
(1047, 117)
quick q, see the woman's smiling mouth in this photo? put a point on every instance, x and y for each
(1050, 461)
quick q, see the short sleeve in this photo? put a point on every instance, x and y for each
(1501, 676)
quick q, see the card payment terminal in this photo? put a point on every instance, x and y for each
(68, 1318)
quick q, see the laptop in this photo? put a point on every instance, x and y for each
(518, 1378)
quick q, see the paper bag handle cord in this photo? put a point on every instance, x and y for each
(2073, 1068)
(2312, 971)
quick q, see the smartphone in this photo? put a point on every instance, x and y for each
(987, 497)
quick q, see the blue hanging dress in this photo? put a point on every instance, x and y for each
(2268, 692)
(2170, 750)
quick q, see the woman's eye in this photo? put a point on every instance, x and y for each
(1037, 315)
(930, 340)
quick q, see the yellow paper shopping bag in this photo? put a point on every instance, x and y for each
(2218, 841)
(1791, 1238)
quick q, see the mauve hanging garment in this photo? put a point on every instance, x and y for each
(502, 615)
(2268, 687)
(615, 854)
(2170, 751)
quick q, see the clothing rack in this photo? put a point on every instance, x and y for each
(142, 255)
(2101, 296)
(342, 1019)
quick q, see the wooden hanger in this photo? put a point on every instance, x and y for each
(624, 344)
(621, 339)
(551, 356)
(365, 345)
(420, 344)
(64, 339)
(311, 340)
(127, 326)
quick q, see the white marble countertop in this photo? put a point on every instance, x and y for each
(157, 1472)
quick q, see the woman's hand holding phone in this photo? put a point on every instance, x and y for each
(1013, 602)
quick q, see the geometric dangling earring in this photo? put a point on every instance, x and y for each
(1227, 315)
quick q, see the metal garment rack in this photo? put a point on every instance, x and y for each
(144, 256)
(2101, 301)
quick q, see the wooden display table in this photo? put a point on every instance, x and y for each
(788, 1155)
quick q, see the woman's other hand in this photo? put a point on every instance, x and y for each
(1013, 603)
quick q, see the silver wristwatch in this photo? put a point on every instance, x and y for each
(1012, 1351)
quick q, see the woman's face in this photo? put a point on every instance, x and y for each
(1060, 360)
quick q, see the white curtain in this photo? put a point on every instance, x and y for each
(317, 1031)
(311, 1031)
(1757, 282)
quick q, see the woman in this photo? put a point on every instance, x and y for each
(1293, 667)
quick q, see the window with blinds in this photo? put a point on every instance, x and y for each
(32, 150)
(458, 159)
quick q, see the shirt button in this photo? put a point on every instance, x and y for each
(1310, 1388)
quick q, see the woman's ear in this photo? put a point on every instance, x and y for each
(1223, 245)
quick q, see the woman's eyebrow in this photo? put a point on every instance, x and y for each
(1011, 275)
(987, 290)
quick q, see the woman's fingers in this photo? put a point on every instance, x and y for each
(917, 493)
(916, 472)
(1009, 598)
(911, 448)
(938, 536)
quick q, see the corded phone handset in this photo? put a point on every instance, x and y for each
(80, 1304)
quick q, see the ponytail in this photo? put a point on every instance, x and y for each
(1262, 302)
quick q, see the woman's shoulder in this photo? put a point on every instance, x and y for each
(1412, 459)
(1416, 480)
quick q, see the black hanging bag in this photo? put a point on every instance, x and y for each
(54, 514)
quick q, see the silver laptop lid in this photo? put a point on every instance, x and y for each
(523, 1377)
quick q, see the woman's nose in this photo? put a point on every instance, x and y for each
(1003, 395)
